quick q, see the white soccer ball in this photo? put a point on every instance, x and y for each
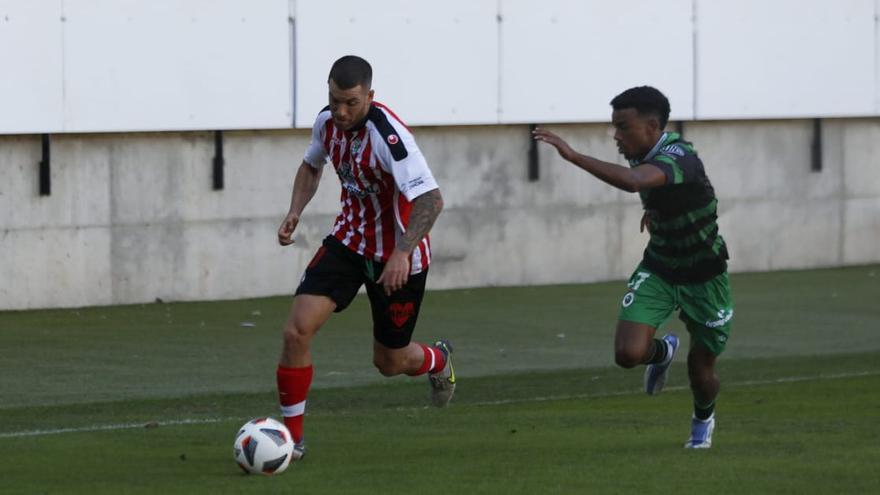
(264, 446)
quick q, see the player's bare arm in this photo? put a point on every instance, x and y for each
(304, 186)
(644, 176)
(425, 210)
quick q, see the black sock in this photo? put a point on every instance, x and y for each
(659, 352)
(704, 412)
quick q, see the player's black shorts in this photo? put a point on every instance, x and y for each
(338, 273)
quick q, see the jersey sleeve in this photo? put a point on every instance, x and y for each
(679, 166)
(316, 155)
(401, 157)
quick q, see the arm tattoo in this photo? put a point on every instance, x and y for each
(425, 210)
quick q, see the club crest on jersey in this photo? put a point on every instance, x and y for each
(350, 184)
(393, 139)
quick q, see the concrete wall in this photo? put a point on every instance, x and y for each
(132, 217)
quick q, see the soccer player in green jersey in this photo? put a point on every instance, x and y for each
(684, 266)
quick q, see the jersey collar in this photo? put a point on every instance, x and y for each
(665, 138)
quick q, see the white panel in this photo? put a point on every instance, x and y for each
(170, 64)
(563, 61)
(30, 57)
(877, 57)
(785, 58)
(433, 62)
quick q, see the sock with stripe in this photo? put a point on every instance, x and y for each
(293, 386)
(659, 351)
(434, 360)
(704, 412)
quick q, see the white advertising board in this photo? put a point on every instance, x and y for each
(785, 59)
(563, 61)
(433, 62)
(31, 85)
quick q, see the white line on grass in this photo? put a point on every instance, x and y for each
(113, 427)
(747, 383)
(202, 421)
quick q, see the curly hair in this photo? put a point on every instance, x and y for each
(646, 100)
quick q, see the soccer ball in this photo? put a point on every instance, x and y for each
(263, 445)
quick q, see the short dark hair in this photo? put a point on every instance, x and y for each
(350, 71)
(646, 100)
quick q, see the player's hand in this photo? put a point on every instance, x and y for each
(285, 231)
(646, 223)
(565, 151)
(396, 272)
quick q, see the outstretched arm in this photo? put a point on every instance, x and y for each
(304, 186)
(425, 210)
(644, 176)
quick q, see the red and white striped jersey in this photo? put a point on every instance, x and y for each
(381, 170)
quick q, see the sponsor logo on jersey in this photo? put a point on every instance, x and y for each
(412, 184)
(355, 146)
(672, 149)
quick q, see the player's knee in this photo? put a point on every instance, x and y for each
(701, 378)
(627, 358)
(296, 338)
(387, 367)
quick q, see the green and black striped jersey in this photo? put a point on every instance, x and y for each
(685, 245)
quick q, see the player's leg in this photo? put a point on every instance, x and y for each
(294, 374)
(646, 305)
(394, 353)
(634, 343)
(307, 314)
(329, 284)
(705, 386)
(707, 310)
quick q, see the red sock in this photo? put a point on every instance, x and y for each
(293, 386)
(435, 360)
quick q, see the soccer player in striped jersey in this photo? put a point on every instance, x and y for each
(389, 201)
(684, 266)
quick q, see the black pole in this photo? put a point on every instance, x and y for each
(533, 155)
(45, 168)
(218, 160)
(816, 147)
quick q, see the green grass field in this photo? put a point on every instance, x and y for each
(540, 407)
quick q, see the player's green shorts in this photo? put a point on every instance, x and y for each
(706, 308)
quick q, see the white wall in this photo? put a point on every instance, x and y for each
(31, 85)
(136, 65)
(785, 58)
(561, 61)
(564, 61)
(133, 65)
(133, 217)
(433, 62)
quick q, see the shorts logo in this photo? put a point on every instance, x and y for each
(401, 313)
(393, 139)
(638, 280)
(724, 315)
(628, 299)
